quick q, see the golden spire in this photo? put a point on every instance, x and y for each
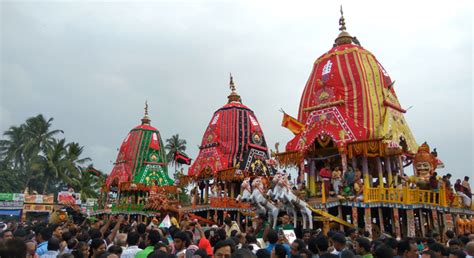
(146, 119)
(344, 37)
(233, 97)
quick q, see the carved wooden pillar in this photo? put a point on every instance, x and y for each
(340, 215)
(388, 168)
(422, 222)
(411, 223)
(355, 216)
(434, 215)
(206, 192)
(396, 224)
(368, 220)
(365, 174)
(312, 177)
(382, 223)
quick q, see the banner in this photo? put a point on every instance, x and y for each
(10, 205)
(12, 197)
(90, 202)
(37, 208)
(38, 198)
(69, 198)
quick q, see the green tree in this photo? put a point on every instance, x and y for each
(88, 184)
(174, 144)
(39, 134)
(31, 156)
(11, 149)
(56, 164)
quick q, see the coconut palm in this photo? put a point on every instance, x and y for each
(57, 165)
(39, 134)
(174, 144)
(88, 184)
(11, 149)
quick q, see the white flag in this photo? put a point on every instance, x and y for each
(166, 223)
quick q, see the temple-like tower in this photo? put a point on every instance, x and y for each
(141, 158)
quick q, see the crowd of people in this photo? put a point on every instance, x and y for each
(126, 238)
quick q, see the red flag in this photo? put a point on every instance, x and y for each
(292, 124)
(154, 143)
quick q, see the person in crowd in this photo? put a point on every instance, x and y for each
(152, 238)
(53, 248)
(457, 253)
(230, 225)
(467, 187)
(42, 236)
(320, 246)
(469, 249)
(181, 242)
(406, 249)
(285, 223)
(383, 251)
(462, 192)
(297, 246)
(429, 254)
(325, 174)
(57, 231)
(263, 226)
(336, 180)
(31, 249)
(115, 249)
(81, 250)
(278, 251)
(97, 246)
(339, 243)
(223, 249)
(121, 240)
(433, 182)
(362, 247)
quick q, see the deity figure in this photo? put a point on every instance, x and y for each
(425, 164)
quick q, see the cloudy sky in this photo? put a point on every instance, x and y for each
(91, 65)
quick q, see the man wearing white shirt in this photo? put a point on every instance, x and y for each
(132, 242)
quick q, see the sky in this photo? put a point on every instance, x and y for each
(91, 65)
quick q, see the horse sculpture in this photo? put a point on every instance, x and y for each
(263, 205)
(282, 192)
(246, 191)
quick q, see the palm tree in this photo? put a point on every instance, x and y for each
(75, 162)
(40, 138)
(88, 184)
(57, 164)
(174, 144)
(38, 133)
(11, 149)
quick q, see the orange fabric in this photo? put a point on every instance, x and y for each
(292, 124)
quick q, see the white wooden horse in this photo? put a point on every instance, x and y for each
(263, 205)
(246, 191)
(283, 193)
